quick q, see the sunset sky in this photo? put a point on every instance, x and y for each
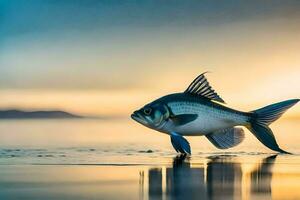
(110, 57)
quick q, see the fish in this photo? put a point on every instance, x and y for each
(200, 111)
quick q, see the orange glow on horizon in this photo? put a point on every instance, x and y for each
(110, 102)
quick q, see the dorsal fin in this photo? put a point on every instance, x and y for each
(201, 87)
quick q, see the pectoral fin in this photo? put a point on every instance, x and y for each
(182, 119)
(226, 138)
(180, 144)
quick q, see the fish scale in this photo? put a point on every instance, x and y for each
(209, 119)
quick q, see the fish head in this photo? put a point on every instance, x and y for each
(153, 115)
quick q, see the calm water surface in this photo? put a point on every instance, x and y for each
(118, 159)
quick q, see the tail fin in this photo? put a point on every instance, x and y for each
(263, 117)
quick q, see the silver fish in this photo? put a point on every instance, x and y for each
(200, 111)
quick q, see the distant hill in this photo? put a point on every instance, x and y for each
(20, 114)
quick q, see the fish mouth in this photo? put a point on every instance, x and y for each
(138, 117)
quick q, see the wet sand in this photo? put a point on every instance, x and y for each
(210, 177)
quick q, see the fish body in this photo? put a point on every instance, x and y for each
(210, 116)
(200, 111)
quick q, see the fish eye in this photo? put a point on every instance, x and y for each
(147, 111)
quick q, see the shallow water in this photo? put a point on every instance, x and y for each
(210, 177)
(113, 159)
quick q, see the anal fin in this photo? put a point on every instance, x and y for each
(226, 138)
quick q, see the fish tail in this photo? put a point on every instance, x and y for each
(263, 117)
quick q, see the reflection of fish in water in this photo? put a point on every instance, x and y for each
(220, 179)
(197, 111)
(261, 177)
(223, 177)
(185, 182)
